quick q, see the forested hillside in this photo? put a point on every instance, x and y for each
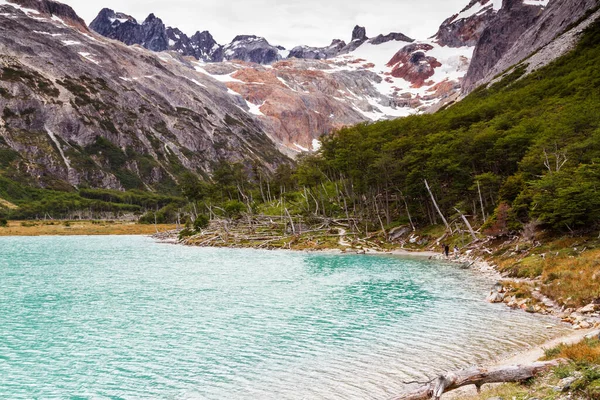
(530, 146)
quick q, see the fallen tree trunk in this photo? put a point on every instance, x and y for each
(476, 376)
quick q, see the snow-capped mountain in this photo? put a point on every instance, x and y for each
(386, 76)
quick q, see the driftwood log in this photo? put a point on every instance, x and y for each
(476, 376)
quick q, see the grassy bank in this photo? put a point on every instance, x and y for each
(65, 228)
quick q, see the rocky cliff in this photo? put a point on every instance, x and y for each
(465, 28)
(521, 28)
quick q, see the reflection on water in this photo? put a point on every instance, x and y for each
(126, 317)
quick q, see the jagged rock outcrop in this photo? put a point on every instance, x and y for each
(154, 35)
(359, 33)
(250, 48)
(79, 110)
(359, 36)
(511, 21)
(393, 36)
(318, 53)
(540, 25)
(205, 47)
(466, 27)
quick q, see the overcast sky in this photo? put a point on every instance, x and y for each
(286, 22)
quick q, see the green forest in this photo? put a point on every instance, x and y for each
(524, 150)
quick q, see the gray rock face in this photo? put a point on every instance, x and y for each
(92, 112)
(53, 8)
(511, 21)
(206, 47)
(459, 32)
(153, 35)
(398, 37)
(359, 33)
(250, 48)
(517, 32)
(318, 53)
(359, 36)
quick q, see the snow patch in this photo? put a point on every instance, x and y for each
(255, 109)
(70, 42)
(542, 3)
(220, 78)
(316, 145)
(48, 33)
(476, 9)
(90, 37)
(59, 20)
(197, 83)
(300, 147)
(58, 146)
(88, 57)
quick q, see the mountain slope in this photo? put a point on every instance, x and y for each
(521, 28)
(80, 110)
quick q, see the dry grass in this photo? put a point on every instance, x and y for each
(566, 269)
(586, 352)
(573, 280)
(64, 228)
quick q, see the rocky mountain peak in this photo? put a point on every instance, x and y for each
(500, 34)
(151, 18)
(359, 33)
(465, 28)
(252, 48)
(52, 8)
(241, 38)
(154, 35)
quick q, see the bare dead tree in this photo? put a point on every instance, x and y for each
(478, 377)
(436, 207)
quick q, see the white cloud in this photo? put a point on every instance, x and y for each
(286, 22)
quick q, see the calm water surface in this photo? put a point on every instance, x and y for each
(127, 318)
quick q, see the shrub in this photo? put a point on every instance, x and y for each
(185, 233)
(234, 208)
(201, 222)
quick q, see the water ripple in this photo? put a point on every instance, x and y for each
(109, 317)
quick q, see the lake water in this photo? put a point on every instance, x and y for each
(128, 318)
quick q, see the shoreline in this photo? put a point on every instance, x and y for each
(522, 357)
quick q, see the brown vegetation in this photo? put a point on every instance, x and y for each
(65, 228)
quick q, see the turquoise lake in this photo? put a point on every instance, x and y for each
(129, 318)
